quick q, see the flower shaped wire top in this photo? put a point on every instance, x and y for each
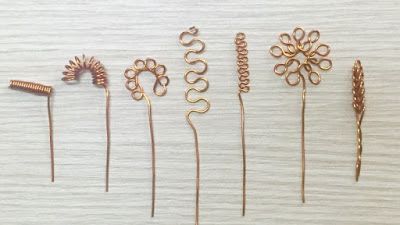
(292, 46)
(132, 75)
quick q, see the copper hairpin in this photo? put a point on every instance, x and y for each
(43, 90)
(314, 53)
(137, 92)
(193, 78)
(243, 76)
(359, 108)
(73, 70)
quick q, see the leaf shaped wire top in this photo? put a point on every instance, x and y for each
(358, 88)
(314, 56)
(359, 108)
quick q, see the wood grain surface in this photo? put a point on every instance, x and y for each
(37, 38)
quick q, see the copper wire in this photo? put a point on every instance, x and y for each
(137, 92)
(74, 69)
(43, 90)
(292, 47)
(359, 108)
(197, 84)
(243, 76)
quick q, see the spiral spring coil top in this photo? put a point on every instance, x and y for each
(77, 66)
(99, 77)
(31, 87)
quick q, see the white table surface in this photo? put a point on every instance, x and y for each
(37, 38)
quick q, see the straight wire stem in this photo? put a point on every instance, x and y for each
(107, 93)
(153, 155)
(51, 137)
(242, 126)
(303, 148)
(359, 147)
(197, 153)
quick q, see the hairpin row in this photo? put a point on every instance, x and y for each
(303, 59)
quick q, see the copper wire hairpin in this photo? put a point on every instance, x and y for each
(359, 109)
(43, 90)
(137, 92)
(197, 83)
(73, 70)
(243, 76)
(314, 53)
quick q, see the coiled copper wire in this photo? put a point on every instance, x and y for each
(42, 90)
(244, 81)
(295, 70)
(359, 108)
(137, 92)
(196, 87)
(73, 70)
(77, 66)
(31, 87)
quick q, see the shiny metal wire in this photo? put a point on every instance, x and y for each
(137, 92)
(197, 84)
(99, 76)
(293, 47)
(43, 90)
(359, 108)
(244, 81)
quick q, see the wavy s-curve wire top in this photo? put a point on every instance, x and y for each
(193, 81)
(194, 77)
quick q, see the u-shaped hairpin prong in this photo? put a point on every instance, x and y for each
(137, 92)
(295, 71)
(45, 90)
(99, 76)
